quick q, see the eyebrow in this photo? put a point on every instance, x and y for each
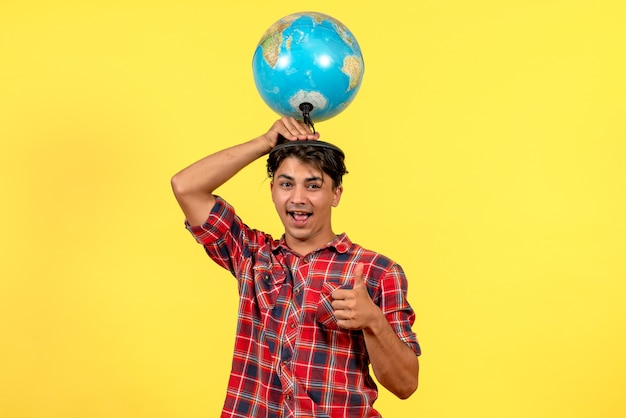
(308, 179)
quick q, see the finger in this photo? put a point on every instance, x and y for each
(340, 294)
(342, 304)
(305, 131)
(342, 314)
(292, 129)
(308, 131)
(315, 136)
(357, 275)
(286, 127)
(297, 129)
(279, 131)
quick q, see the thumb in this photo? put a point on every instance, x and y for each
(357, 274)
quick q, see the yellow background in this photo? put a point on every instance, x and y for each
(487, 156)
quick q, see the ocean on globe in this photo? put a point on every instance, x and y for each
(308, 57)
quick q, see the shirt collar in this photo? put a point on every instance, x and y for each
(341, 243)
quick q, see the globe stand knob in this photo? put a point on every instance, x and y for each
(306, 109)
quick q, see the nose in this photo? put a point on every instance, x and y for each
(298, 195)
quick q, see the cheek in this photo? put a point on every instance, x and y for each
(277, 196)
(277, 199)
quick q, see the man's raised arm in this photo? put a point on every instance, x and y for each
(194, 185)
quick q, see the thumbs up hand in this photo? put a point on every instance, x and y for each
(353, 308)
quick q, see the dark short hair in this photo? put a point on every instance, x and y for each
(324, 156)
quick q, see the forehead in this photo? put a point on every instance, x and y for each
(294, 167)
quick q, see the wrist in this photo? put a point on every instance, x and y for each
(377, 324)
(268, 143)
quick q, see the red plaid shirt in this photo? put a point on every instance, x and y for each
(290, 358)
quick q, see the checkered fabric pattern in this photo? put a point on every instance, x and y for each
(290, 357)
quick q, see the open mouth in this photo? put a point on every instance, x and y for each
(299, 217)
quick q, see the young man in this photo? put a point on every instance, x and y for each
(315, 309)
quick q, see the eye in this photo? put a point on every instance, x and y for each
(314, 186)
(285, 184)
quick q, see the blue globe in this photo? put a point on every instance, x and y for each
(310, 58)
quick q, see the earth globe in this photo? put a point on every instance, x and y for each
(308, 64)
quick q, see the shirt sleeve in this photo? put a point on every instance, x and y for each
(226, 239)
(395, 306)
(217, 224)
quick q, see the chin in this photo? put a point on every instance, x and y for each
(299, 235)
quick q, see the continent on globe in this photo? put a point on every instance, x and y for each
(353, 66)
(308, 57)
(273, 37)
(313, 97)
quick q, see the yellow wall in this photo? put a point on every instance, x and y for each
(487, 155)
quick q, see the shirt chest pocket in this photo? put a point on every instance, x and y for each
(268, 280)
(324, 314)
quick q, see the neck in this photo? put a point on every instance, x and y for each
(304, 247)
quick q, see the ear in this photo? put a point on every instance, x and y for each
(337, 195)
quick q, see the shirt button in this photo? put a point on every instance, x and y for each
(288, 397)
(292, 325)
